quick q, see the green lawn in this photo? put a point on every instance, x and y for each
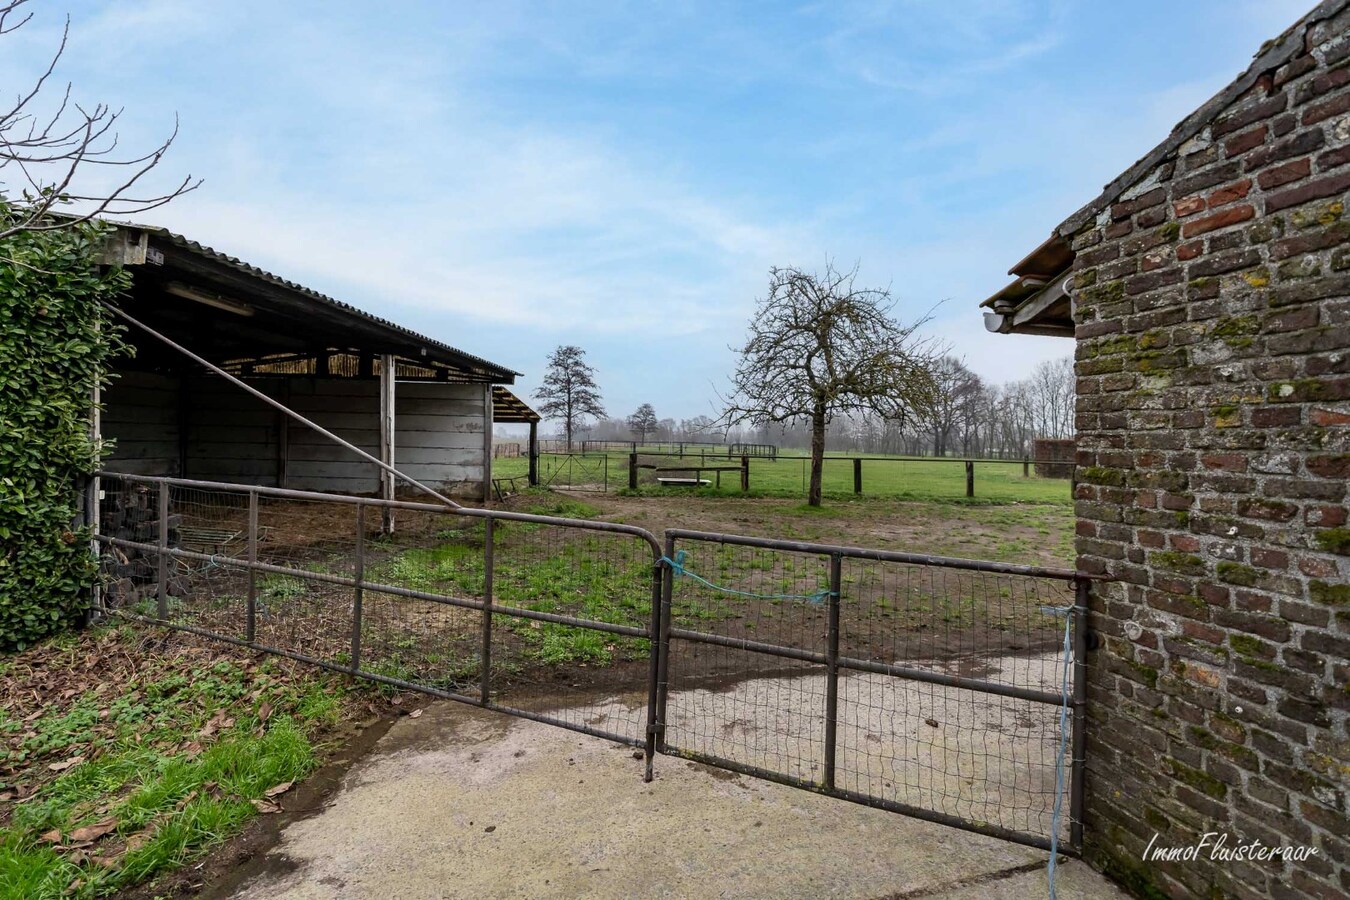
(927, 479)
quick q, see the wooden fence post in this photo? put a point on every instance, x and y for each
(632, 471)
(970, 478)
(1026, 467)
(745, 474)
(857, 475)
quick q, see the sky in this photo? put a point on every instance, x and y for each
(512, 176)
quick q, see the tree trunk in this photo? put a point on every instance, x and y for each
(817, 454)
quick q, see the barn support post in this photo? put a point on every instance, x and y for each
(388, 366)
(534, 454)
(487, 443)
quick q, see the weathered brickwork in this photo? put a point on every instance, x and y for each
(1212, 303)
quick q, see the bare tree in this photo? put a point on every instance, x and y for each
(49, 155)
(569, 391)
(954, 386)
(643, 422)
(818, 346)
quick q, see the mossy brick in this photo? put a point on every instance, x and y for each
(1247, 645)
(1106, 292)
(1235, 326)
(1325, 592)
(1101, 475)
(1236, 573)
(1202, 781)
(1185, 563)
(1333, 540)
(1313, 214)
(1302, 267)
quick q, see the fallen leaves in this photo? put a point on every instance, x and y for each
(415, 713)
(265, 806)
(219, 722)
(68, 764)
(81, 837)
(279, 789)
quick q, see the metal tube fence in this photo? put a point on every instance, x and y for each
(925, 685)
(460, 603)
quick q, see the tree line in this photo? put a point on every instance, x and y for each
(826, 366)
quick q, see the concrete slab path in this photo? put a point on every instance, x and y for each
(460, 802)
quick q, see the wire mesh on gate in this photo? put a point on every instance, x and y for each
(947, 697)
(546, 617)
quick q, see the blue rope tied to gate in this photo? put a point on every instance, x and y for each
(1058, 814)
(678, 568)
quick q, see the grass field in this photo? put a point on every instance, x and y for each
(892, 477)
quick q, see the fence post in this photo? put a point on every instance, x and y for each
(162, 606)
(632, 471)
(1026, 467)
(970, 478)
(745, 474)
(658, 715)
(359, 591)
(654, 662)
(832, 669)
(485, 657)
(251, 610)
(857, 475)
(1079, 742)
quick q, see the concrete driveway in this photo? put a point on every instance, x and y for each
(460, 802)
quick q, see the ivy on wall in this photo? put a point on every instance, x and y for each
(56, 342)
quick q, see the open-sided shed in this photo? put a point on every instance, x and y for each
(413, 402)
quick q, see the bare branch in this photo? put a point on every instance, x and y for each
(52, 155)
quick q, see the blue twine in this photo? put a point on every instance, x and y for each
(679, 570)
(1057, 816)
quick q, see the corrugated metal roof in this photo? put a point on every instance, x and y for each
(234, 262)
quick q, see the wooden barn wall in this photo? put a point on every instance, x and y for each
(234, 437)
(140, 413)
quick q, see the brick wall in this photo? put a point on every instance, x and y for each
(1213, 363)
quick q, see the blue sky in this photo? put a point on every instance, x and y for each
(507, 177)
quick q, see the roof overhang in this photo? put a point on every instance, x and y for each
(1037, 301)
(510, 409)
(252, 322)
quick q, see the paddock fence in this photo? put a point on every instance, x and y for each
(947, 689)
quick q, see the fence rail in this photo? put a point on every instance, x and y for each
(920, 684)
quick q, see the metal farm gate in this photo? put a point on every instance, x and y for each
(947, 689)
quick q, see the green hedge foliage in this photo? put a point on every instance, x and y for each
(56, 341)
